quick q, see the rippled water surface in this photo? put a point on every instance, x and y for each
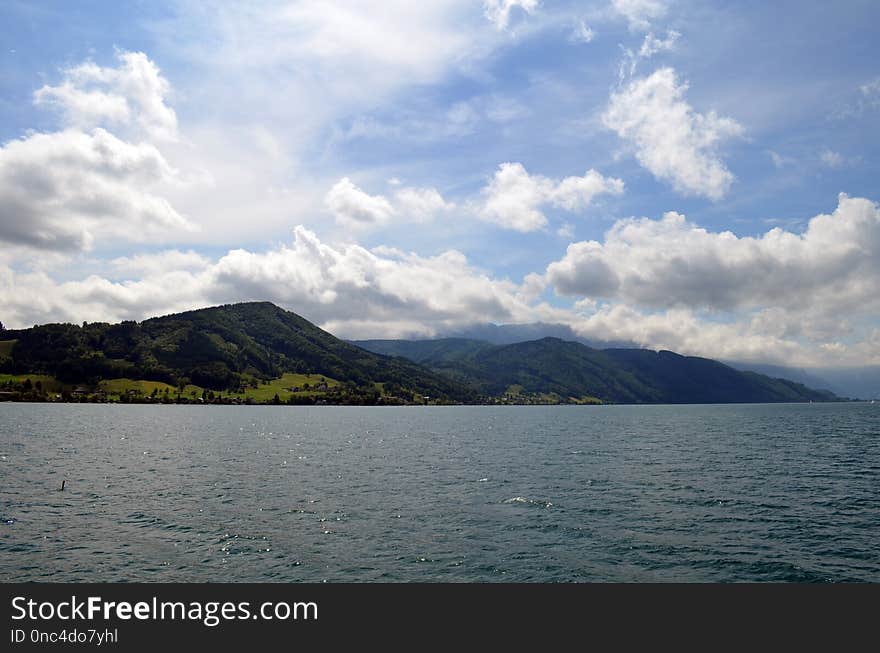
(579, 493)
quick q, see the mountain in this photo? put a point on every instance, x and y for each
(798, 374)
(217, 348)
(258, 345)
(858, 382)
(703, 380)
(571, 370)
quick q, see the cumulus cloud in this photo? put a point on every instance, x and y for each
(135, 92)
(513, 197)
(388, 288)
(673, 141)
(640, 13)
(59, 191)
(498, 11)
(421, 204)
(831, 268)
(353, 207)
(28, 298)
(353, 291)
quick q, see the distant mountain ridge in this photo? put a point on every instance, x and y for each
(229, 347)
(573, 370)
(859, 382)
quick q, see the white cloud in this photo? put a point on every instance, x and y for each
(513, 197)
(352, 291)
(651, 45)
(84, 107)
(498, 11)
(640, 13)
(831, 269)
(386, 288)
(687, 332)
(672, 140)
(60, 191)
(135, 92)
(353, 207)
(63, 191)
(576, 193)
(420, 204)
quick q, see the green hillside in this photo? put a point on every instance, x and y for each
(570, 370)
(221, 348)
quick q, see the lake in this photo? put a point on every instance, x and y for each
(440, 494)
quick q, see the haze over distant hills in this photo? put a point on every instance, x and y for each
(854, 382)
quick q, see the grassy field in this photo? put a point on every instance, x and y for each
(48, 382)
(281, 387)
(515, 393)
(122, 386)
(264, 392)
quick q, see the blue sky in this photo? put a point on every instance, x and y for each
(687, 175)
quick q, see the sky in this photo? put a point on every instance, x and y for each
(693, 176)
